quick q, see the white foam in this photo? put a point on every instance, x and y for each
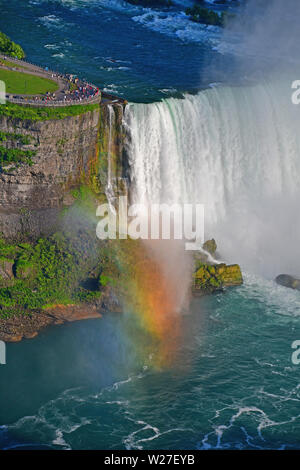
(52, 46)
(178, 25)
(51, 21)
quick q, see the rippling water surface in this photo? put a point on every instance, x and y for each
(232, 384)
(139, 53)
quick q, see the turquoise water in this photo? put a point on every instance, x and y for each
(232, 384)
(86, 385)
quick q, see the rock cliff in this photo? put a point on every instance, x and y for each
(56, 156)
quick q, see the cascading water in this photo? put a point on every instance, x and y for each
(234, 149)
(109, 188)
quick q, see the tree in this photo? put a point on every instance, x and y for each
(10, 48)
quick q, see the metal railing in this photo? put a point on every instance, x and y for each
(44, 103)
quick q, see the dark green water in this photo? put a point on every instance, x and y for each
(232, 383)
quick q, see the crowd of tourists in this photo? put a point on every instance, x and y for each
(71, 89)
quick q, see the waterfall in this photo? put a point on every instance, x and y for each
(237, 151)
(109, 188)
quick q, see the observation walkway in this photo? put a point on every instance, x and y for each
(71, 90)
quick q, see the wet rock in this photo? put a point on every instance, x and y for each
(110, 301)
(209, 275)
(6, 270)
(212, 278)
(21, 326)
(288, 281)
(71, 313)
(210, 246)
(207, 254)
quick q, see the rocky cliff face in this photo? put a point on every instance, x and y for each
(64, 154)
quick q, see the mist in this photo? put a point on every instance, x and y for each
(268, 35)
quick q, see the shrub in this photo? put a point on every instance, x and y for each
(44, 113)
(18, 156)
(10, 48)
(21, 138)
(49, 271)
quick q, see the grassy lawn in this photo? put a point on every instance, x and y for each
(24, 84)
(45, 113)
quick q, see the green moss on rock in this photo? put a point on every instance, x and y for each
(210, 278)
(210, 246)
(16, 155)
(6, 270)
(20, 138)
(63, 268)
(44, 113)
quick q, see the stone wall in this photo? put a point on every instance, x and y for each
(66, 153)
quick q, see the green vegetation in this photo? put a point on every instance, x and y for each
(84, 198)
(10, 48)
(60, 145)
(65, 268)
(105, 280)
(26, 84)
(209, 17)
(7, 252)
(210, 278)
(15, 155)
(44, 113)
(8, 63)
(45, 273)
(18, 156)
(21, 138)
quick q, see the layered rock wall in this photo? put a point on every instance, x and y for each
(64, 154)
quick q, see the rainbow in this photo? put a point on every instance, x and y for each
(151, 298)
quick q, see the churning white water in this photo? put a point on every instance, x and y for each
(236, 150)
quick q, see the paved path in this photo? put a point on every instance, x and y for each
(34, 70)
(61, 97)
(63, 88)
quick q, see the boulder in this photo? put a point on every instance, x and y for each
(288, 281)
(207, 254)
(210, 278)
(6, 270)
(19, 326)
(210, 246)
